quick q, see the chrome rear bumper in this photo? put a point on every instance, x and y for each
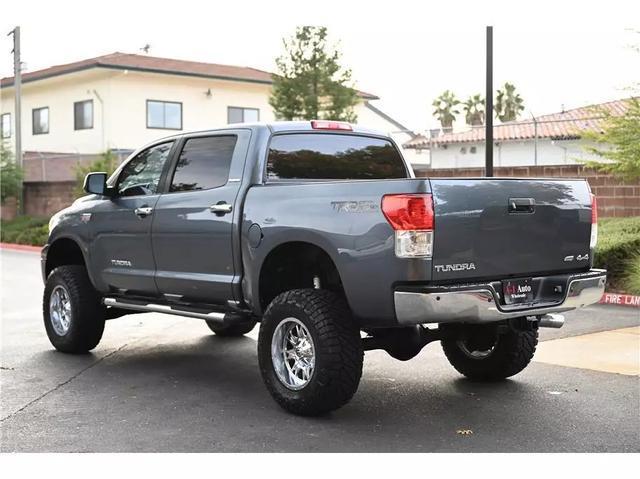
(480, 303)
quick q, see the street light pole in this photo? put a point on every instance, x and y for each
(17, 87)
(489, 106)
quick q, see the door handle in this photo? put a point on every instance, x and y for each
(521, 205)
(221, 208)
(143, 211)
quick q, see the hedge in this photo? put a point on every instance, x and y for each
(25, 230)
(618, 244)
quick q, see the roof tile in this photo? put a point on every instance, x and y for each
(563, 125)
(159, 65)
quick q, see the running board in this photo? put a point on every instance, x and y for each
(164, 308)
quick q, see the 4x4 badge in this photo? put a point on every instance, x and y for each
(580, 257)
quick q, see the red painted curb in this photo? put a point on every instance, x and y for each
(621, 299)
(21, 247)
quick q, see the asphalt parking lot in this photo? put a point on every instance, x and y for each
(162, 383)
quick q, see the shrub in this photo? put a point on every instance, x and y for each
(631, 280)
(10, 174)
(25, 230)
(618, 242)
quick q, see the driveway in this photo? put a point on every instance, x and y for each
(164, 383)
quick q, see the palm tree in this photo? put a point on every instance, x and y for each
(445, 109)
(474, 110)
(509, 104)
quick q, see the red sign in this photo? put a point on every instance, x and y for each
(621, 299)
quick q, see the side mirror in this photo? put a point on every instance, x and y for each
(96, 183)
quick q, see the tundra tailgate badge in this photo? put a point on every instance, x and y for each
(444, 268)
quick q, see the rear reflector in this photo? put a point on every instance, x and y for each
(411, 216)
(330, 125)
(594, 222)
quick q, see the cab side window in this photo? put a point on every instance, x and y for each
(204, 163)
(141, 175)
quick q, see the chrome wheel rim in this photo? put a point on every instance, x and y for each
(475, 353)
(60, 310)
(293, 354)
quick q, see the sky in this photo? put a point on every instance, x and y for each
(557, 53)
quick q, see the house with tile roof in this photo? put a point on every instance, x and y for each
(73, 112)
(553, 139)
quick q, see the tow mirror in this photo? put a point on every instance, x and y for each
(96, 183)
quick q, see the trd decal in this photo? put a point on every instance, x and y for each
(354, 206)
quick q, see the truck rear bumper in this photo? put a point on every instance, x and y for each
(480, 303)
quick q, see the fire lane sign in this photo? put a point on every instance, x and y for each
(621, 299)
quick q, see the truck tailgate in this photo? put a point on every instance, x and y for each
(502, 228)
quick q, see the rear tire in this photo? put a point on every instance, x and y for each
(73, 315)
(489, 355)
(231, 330)
(314, 330)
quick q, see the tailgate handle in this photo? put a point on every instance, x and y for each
(521, 205)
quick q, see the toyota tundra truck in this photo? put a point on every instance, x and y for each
(320, 232)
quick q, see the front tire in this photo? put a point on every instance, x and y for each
(73, 316)
(488, 354)
(310, 351)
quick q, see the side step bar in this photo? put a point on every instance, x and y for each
(164, 308)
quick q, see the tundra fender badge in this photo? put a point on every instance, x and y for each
(444, 268)
(121, 262)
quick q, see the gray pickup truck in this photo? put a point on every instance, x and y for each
(320, 231)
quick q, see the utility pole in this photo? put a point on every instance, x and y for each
(488, 135)
(17, 87)
(535, 141)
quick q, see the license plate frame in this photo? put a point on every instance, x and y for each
(518, 291)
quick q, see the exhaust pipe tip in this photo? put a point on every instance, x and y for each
(551, 321)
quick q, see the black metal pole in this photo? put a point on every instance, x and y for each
(488, 133)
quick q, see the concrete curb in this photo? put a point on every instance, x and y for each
(21, 247)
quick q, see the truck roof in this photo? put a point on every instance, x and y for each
(282, 126)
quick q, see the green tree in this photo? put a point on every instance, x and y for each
(10, 174)
(445, 109)
(311, 83)
(107, 162)
(618, 142)
(474, 110)
(509, 104)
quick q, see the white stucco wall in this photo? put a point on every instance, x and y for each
(59, 95)
(124, 94)
(510, 153)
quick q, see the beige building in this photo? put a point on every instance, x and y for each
(72, 112)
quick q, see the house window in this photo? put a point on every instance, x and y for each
(83, 115)
(166, 115)
(473, 150)
(236, 114)
(5, 125)
(40, 119)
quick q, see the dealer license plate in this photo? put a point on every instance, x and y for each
(517, 291)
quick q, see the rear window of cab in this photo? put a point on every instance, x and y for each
(322, 156)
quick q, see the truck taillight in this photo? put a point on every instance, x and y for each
(330, 125)
(594, 222)
(411, 216)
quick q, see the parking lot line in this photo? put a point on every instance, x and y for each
(616, 351)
